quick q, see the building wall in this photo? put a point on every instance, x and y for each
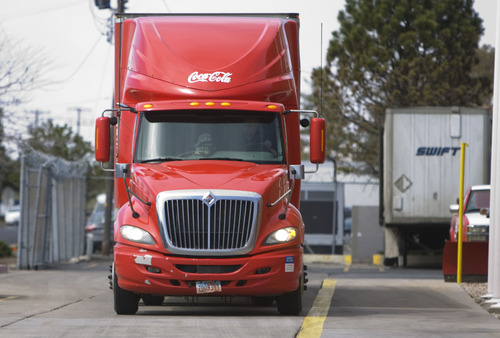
(367, 234)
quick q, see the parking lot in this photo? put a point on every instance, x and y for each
(74, 300)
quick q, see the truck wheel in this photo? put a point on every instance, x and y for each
(126, 302)
(151, 300)
(290, 304)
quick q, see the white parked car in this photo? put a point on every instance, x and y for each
(12, 215)
(476, 219)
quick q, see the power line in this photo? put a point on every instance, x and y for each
(166, 6)
(42, 10)
(84, 60)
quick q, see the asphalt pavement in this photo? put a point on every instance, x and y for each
(360, 300)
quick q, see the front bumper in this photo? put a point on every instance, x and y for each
(149, 272)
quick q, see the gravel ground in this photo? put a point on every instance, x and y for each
(476, 291)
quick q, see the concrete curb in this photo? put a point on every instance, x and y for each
(334, 259)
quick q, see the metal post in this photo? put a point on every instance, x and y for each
(106, 239)
(90, 245)
(494, 234)
(461, 213)
(24, 220)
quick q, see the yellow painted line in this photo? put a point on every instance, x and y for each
(93, 265)
(8, 298)
(313, 323)
(348, 262)
(377, 260)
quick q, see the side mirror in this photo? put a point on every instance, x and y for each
(317, 140)
(102, 139)
(485, 212)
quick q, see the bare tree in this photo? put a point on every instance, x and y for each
(22, 69)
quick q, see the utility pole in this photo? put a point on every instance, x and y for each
(122, 6)
(79, 111)
(37, 114)
(106, 239)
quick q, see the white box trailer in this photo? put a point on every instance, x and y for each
(421, 171)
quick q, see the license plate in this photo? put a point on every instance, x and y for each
(208, 287)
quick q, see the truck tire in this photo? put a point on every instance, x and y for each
(151, 300)
(126, 302)
(290, 304)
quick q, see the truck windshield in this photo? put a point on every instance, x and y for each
(478, 200)
(209, 134)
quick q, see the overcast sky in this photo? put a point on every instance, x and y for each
(70, 33)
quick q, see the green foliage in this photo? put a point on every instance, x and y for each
(5, 250)
(58, 141)
(483, 70)
(5, 168)
(396, 53)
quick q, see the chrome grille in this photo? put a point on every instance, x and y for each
(201, 222)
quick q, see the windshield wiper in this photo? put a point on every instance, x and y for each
(162, 159)
(221, 158)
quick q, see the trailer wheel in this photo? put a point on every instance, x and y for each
(151, 300)
(290, 304)
(126, 302)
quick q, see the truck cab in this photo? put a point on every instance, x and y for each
(207, 169)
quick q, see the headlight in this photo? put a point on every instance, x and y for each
(477, 233)
(477, 229)
(136, 234)
(281, 236)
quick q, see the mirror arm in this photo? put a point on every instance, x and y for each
(135, 214)
(122, 172)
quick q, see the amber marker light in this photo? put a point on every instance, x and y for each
(147, 106)
(272, 106)
(209, 104)
(194, 104)
(225, 104)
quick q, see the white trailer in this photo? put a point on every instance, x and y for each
(421, 172)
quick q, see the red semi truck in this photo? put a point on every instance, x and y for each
(207, 158)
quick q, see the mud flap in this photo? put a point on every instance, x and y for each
(474, 262)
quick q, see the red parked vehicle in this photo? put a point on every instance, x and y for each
(476, 218)
(207, 158)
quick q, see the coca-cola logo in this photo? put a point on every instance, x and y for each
(222, 77)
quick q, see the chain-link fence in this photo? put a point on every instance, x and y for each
(51, 227)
